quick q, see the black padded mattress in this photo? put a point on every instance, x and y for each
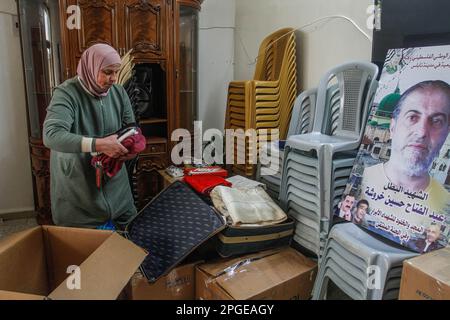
(171, 226)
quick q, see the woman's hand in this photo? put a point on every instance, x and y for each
(110, 146)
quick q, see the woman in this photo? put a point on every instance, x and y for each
(82, 117)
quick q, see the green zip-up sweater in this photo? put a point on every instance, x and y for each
(74, 114)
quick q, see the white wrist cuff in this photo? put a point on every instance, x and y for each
(86, 144)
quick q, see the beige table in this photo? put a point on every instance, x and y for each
(167, 179)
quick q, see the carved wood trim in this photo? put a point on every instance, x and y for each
(113, 9)
(145, 5)
(145, 47)
(43, 172)
(149, 166)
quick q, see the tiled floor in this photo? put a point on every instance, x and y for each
(8, 227)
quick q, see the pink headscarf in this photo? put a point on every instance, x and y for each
(93, 60)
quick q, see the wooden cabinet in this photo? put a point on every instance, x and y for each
(164, 47)
(146, 28)
(141, 25)
(99, 22)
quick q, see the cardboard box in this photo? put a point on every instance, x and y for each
(179, 284)
(426, 277)
(272, 275)
(34, 264)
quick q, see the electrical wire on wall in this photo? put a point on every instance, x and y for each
(209, 28)
(224, 27)
(327, 18)
(8, 13)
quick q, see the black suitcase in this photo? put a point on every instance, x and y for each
(171, 226)
(234, 241)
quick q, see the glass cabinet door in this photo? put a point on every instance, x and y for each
(188, 66)
(40, 43)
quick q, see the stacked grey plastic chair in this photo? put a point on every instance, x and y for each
(317, 164)
(364, 266)
(301, 122)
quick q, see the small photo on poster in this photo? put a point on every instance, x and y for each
(399, 185)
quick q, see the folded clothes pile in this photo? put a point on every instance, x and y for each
(213, 170)
(247, 206)
(243, 182)
(203, 180)
(204, 183)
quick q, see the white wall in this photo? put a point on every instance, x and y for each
(16, 191)
(320, 47)
(8, 6)
(216, 54)
(229, 38)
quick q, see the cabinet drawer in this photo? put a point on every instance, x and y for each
(153, 148)
(147, 163)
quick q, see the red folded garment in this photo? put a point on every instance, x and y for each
(204, 183)
(214, 170)
(110, 166)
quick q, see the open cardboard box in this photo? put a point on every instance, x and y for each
(34, 264)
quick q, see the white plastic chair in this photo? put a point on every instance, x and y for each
(349, 252)
(344, 96)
